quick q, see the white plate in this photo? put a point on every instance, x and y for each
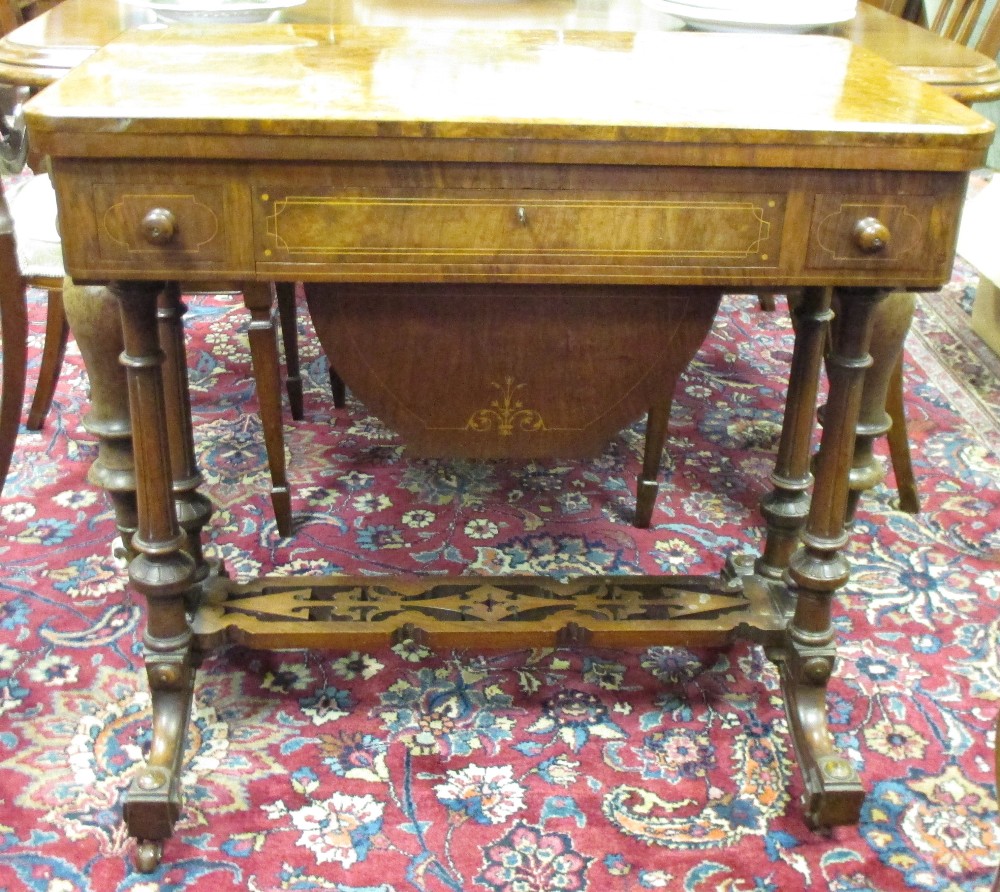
(752, 9)
(220, 12)
(805, 17)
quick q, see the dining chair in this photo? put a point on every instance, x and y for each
(976, 24)
(13, 335)
(33, 258)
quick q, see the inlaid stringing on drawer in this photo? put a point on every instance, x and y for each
(531, 227)
(191, 222)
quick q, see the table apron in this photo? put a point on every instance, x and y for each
(432, 222)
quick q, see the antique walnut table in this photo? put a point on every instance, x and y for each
(557, 190)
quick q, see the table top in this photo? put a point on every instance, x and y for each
(293, 90)
(46, 48)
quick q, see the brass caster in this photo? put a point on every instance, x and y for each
(148, 854)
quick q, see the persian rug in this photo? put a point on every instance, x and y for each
(590, 769)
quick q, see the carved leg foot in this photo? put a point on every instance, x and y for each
(154, 799)
(834, 794)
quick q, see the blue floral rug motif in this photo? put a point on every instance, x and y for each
(587, 769)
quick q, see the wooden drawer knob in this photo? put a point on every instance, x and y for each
(158, 226)
(871, 235)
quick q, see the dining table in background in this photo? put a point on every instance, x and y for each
(45, 48)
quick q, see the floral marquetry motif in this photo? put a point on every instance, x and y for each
(506, 413)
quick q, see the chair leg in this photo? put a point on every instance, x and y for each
(657, 423)
(899, 443)
(338, 389)
(56, 335)
(14, 333)
(264, 356)
(285, 294)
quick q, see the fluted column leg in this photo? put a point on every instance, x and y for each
(817, 569)
(162, 572)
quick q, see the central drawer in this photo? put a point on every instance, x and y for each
(482, 228)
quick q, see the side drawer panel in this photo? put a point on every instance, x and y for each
(918, 236)
(201, 204)
(199, 229)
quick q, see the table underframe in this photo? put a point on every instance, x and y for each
(781, 599)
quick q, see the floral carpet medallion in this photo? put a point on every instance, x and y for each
(583, 770)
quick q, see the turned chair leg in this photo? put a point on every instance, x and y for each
(14, 335)
(285, 296)
(267, 377)
(899, 443)
(338, 389)
(53, 352)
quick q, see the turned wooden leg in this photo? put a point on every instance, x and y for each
(162, 572)
(657, 423)
(53, 352)
(287, 316)
(833, 789)
(267, 374)
(93, 315)
(899, 443)
(786, 508)
(14, 334)
(892, 322)
(193, 508)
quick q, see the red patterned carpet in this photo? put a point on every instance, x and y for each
(601, 770)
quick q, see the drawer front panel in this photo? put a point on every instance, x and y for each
(913, 230)
(194, 215)
(525, 228)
